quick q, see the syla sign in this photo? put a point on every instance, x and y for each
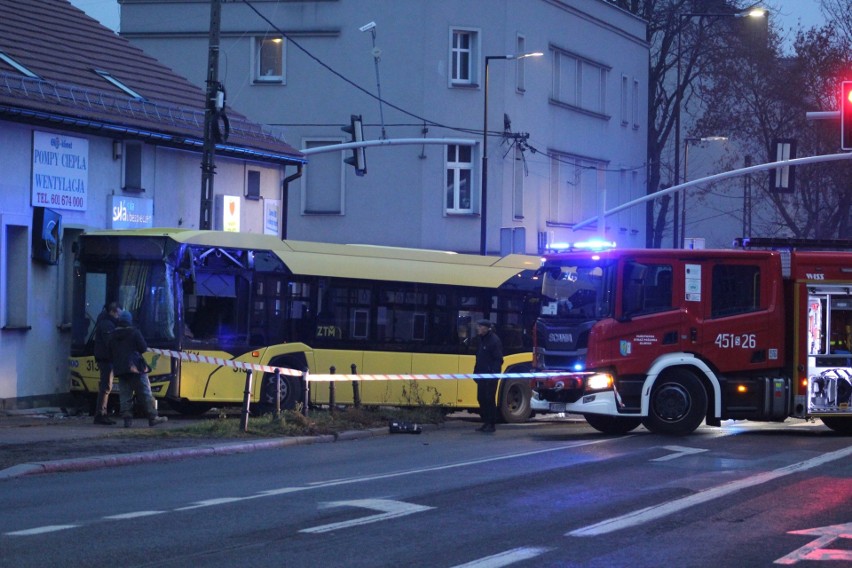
(131, 212)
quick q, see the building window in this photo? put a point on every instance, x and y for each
(625, 100)
(464, 53)
(521, 48)
(269, 60)
(459, 179)
(520, 167)
(132, 174)
(636, 117)
(579, 83)
(576, 185)
(323, 183)
(118, 84)
(15, 270)
(253, 185)
(66, 274)
(9, 60)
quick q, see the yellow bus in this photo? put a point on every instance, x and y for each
(306, 306)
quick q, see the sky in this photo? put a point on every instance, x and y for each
(797, 13)
(791, 12)
(105, 11)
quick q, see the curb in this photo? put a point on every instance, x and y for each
(115, 460)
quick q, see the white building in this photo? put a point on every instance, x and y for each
(94, 134)
(307, 66)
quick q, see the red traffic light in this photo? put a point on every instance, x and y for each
(846, 115)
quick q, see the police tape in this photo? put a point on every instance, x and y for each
(328, 377)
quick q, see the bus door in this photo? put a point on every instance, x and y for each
(216, 324)
(439, 391)
(390, 391)
(340, 362)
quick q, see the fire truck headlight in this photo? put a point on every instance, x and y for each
(599, 381)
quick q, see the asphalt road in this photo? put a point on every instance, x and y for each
(546, 493)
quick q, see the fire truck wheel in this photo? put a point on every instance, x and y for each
(515, 401)
(839, 425)
(678, 403)
(612, 424)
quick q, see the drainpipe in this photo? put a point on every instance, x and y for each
(285, 195)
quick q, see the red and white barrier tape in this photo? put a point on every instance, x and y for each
(196, 358)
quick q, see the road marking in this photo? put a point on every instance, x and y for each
(679, 452)
(134, 515)
(42, 530)
(215, 502)
(506, 558)
(281, 491)
(349, 481)
(815, 550)
(659, 511)
(380, 476)
(390, 510)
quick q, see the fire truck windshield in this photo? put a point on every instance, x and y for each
(578, 291)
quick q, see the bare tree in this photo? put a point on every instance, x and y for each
(840, 13)
(738, 82)
(679, 37)
(761, 96)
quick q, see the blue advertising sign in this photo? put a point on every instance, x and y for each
(130, 212)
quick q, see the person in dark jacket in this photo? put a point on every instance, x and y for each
(126, 347)
(104, 327)
(489, 360)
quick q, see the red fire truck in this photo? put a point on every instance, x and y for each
(672, 338)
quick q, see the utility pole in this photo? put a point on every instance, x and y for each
(377, 54)
(747, 199)
(211, 116)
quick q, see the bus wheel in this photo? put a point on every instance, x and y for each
(87, 401)
(678, 403)
(838, 424)
(183, 406)
(515, 405)
(290, 394)
(612, 424)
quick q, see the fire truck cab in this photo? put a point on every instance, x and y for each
(673, 338)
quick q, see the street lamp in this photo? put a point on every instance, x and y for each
(484, 191)
(686, 142)
(753, 12)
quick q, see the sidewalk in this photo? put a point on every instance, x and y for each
(50, 424)
(46, 440)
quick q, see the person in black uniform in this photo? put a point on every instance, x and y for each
(126, 347)
(104, 327)
(489, 360)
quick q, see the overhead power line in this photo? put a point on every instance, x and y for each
(349, 81)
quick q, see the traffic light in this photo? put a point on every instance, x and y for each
(846, 115)
(356, 133)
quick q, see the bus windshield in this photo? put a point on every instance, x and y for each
(144, 288)
(577, 291)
